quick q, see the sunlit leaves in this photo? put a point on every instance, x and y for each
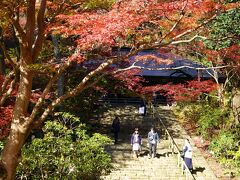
(224, 30)
(98, 4)
(123, 23)
(66, 151)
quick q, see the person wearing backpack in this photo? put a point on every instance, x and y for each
(136, 142)
(153, 139)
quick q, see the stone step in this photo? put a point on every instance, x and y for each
(164, 166)
(144, 168)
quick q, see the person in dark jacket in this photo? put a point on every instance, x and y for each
(116, 128)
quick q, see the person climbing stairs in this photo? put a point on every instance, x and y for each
(164, 166)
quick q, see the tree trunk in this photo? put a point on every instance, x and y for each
(57, 54)
(236, 107)
(220, 91)
(11, 154)
(12, 150)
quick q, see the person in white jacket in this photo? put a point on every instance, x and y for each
(187, 151)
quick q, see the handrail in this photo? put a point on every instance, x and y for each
(173, 145)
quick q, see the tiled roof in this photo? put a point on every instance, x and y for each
(176, 62)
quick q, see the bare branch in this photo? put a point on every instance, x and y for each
(214, 75)
(134, 66)
(188, 40)
(194, 29)
(228, 78)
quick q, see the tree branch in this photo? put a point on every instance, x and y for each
(41, 27)
(134, 66)
(19, 31)
(9, 91)
(6, 82)
(178, 21)
(188, 40)
(194, 29)
(83, 84)
(30, 24)
(45, 92)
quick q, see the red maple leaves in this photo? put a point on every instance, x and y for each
(112, 28)
(5, 120)
(130, 79)
(189, 91)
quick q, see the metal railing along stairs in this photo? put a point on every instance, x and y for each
(173, 146)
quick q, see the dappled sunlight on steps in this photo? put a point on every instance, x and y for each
(164, 166)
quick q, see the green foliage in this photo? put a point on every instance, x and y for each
(207, 118)
(215, 124)
(224, 30)
(222, 143)
(189, 112)
(41, 68)
(65, 152)
(98, 4)
(211, 119)
(226, 147)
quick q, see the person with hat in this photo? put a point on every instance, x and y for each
(136, 142)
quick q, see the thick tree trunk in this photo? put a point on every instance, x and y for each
(11, 154)
(12, 150)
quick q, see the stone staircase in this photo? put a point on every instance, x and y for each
(164, 166)
(127, 167)
(202, 170)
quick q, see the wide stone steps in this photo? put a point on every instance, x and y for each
(201, 169)
(144, 168)
(164, 166)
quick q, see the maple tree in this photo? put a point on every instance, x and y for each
(190, 91)
(219, 48)
(93, 29)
